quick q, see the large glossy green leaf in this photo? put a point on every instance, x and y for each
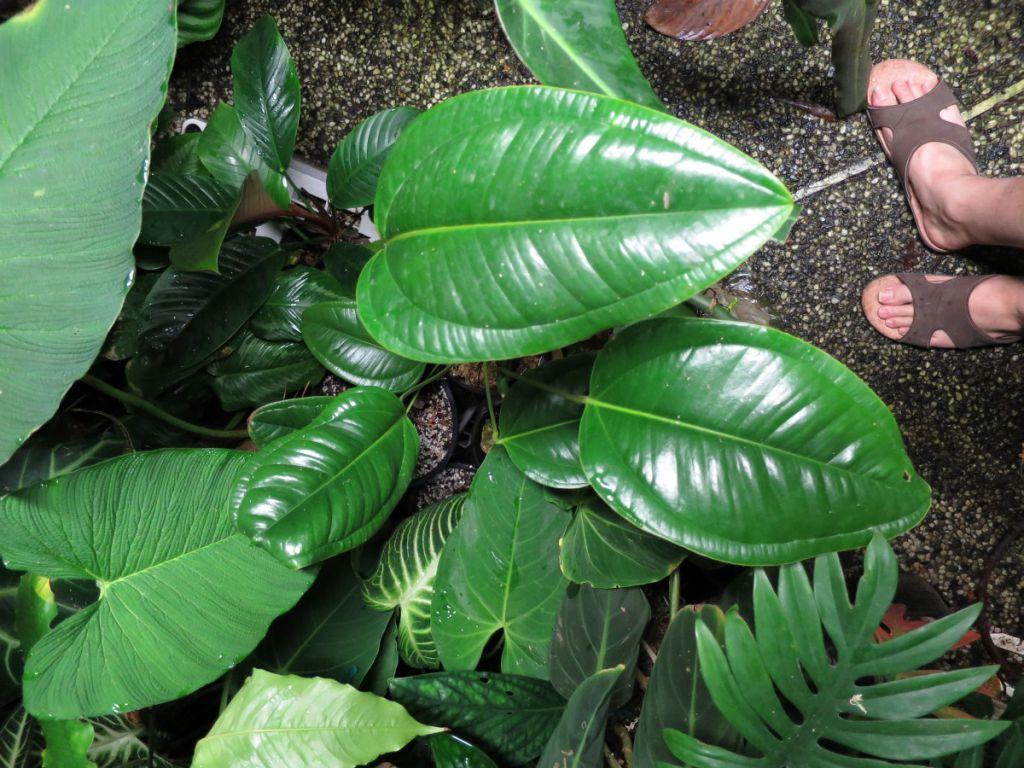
(601, 549)
(336, 337)
(261, 371)
(579, 736)
(404, 578)
(744, 444)
(178, 205)
(518, 220)
(356, 163)
(329, 633)
(267, 94)
(385, 665)
(81, 84)
(123, 340)
(198, 20)
(329, 486)
(576, 44)
(280, 318)
(676, 695)
(183, 596)
(597, 629)
(188, 316)
(499, 572)
(344, 262)
(450, 751)
(509, 716)
(540, 427)
(279, 419)
(284, 721)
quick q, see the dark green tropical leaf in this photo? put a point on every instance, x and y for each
(386, 663)
(345, 262)
(577, 44)
(11, 661)
(804, 26)
(601, 549)
(676, 695)
(540, 428)
(831, 701)
(597, 629)
(45, 456)
(177, 154)
(1012, 753)
(577, 741)
(404, 578)
(198, 20)
(284, 721)
(123, 340)
(356, 163)
(329, 633)
(276, 420)
(118, 742)
(267, 94)
(82, 84)
(337, 339)
(518, 220)
(449, 751)
(328, 487)
(509, 716)
(188, 316)
(151, 528)
(279, 319)
(499, 572)
(178, 206)
(261, 371)
(19, 736)
(767, 450)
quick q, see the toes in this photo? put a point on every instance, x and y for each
(900, 312)
(892, 294)
(904, 91)
(891, 319)
(881, 97)
(918, 88)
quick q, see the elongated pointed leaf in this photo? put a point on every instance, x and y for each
(450, 751)
(198, 20)
(276, 420)
(576, 44)
(509, 716)
(296, 290)
(261, 371)
(540, 428)
(344, 262)
(518, 220)
(744, 444)
(177, 206)
(577, 740)
(326, 488)
(404, 578)
(284, 721)
(357, 162)
(336, 337)
(499, 572)
(183, 595)
(81, 84)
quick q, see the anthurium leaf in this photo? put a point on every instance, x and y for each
(73, 75)
(123, 340)
(177, 154)
(261, 371)
(597, 629)
(499, 572)
(151, 528)
(295, 291)
(326, 488)
(601, 549)
(355, 166)
(386, 663)
(329, 633)
(177, 206)
(449, 751)
(612, 210)
(188, 316)
(275, 420)
(804, 26)
(284, 721)
(509, 716)
(577, 740)
(345, 262)
(404, 578)
(336, 337)
(767, 450)
(676, 695)
(267, 94)
(702, 19)
(576, 44)
(198, 20)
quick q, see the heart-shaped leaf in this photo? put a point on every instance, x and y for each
(404, 578)
(336, 337)
(275, 420)
(198, 20)
(577, 740)
(518, 220)
(74, 77)
(279, 319)
(449, 751)
(577, 44)
(509, 716)
(744, 444)
(355, 166)
(499, 572)
(329, 486)
(282, 721)
(702, 19)
(261, 371)
(183, 596)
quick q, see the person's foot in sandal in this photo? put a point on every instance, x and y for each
(946, 312)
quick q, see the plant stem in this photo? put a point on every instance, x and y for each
(543, 387)
(490, 404)
(322, 222)
(426, 382)
(159, 413)
(673, 594)
(709, 307)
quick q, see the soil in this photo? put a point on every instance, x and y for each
(471, 375)
(433, 414)
(453, 479)
(331, 386)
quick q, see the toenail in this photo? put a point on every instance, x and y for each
(885, 295)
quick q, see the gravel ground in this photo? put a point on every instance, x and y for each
(961, 413)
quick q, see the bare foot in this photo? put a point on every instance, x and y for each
(935, 168)
(996, 307)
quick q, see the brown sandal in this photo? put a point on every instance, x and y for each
(943, 307)
(916, 123)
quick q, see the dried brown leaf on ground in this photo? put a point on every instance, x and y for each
(702, 19)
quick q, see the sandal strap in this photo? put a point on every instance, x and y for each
(944, 307)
